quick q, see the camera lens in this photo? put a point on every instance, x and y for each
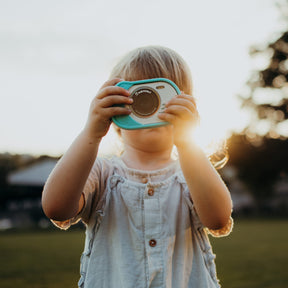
(145, 102)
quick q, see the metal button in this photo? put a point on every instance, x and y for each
(152, 242)
(144, 180)
(150, 191)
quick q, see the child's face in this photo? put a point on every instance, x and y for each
(149, 140)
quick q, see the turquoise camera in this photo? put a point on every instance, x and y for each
(149, 99)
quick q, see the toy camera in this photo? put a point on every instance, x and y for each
(149, 99)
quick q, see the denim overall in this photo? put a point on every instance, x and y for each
(142, 230)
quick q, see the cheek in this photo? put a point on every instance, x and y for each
(128, 135)
(169, 130)
(167, 134)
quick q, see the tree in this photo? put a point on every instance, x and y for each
(267, 95)
(259, 166)
(260, 152)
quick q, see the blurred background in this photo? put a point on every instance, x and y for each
(55, 55)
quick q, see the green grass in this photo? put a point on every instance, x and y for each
(254, 255)
(40, 259)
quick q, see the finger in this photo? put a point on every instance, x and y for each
(177, 110)
(174, 118)
(182, 102)
(116, 100)
(112, 91)
(187, 97)
(111, 82)
(167, 117)
(116, 111)
(182, 112)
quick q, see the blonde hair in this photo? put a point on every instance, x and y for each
(154, 62)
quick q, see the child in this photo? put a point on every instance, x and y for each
(146, 215)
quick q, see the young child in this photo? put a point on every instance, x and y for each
(146, 215)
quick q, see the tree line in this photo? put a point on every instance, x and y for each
(259, 154)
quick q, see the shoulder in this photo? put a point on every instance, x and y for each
(104, 165)
(107, 166)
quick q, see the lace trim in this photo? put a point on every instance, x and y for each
(226, 230)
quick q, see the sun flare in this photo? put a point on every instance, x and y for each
(208, 139)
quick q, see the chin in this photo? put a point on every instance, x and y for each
(159, 141)
(150, 138)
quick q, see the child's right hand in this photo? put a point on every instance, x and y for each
(102, 108)
(61, 199)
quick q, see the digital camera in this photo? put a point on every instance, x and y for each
(149, 99)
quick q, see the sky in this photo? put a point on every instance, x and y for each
(55, 55)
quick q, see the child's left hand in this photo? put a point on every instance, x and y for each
(181, 112)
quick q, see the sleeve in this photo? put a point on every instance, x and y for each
(225, 231)
(92, 192)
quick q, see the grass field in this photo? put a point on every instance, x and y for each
(254, 255)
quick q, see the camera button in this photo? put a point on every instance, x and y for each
(150, 191)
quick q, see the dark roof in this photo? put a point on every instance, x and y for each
(33, 175)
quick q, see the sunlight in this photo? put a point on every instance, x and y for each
(214, 146)
(83, 65)
(209, 141)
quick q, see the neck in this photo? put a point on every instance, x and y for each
(146, 160)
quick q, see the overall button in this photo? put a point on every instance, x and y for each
(150, 191)
(144, 180)
(152, 242)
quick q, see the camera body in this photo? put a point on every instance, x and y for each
(149, 99)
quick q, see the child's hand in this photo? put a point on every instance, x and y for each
(181, 112)
(102, 108)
